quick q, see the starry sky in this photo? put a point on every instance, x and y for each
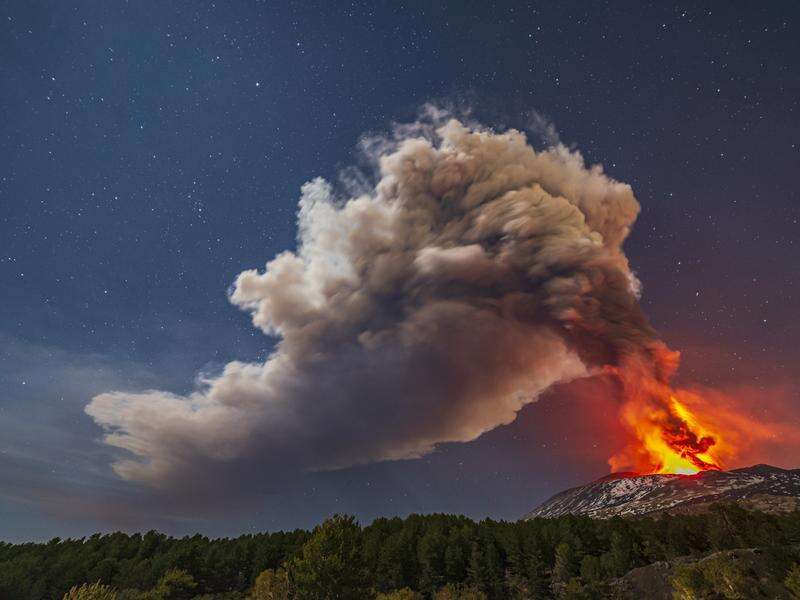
(151, 151)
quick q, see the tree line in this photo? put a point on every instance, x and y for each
(441, 557)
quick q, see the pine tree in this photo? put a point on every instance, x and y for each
(175, 584)
(431, 559)
(271, 585)
(565, 567)
(330, 563)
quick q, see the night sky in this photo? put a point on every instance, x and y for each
(151, 151)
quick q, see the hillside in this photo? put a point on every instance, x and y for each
(760, 487)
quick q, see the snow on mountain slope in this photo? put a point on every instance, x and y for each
(625, 494)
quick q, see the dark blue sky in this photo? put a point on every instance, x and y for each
(151, 151)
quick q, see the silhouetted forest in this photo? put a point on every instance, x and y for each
(434, 556)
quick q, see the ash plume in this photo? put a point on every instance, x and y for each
(430, 307)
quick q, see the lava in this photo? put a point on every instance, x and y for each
(673, 439)
(670, 433)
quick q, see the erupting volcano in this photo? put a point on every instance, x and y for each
(428, 303)
(670, 436)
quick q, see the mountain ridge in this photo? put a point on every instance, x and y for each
(760, 486)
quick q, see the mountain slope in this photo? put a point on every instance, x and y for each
(761, 486)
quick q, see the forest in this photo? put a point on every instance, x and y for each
(727, 552)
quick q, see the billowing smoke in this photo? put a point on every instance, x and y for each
(428, 308)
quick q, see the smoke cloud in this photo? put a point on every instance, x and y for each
(429, 307)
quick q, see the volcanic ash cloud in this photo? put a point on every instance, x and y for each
(430, 308)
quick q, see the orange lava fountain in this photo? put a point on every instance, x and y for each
(670, 435)
(673, 439)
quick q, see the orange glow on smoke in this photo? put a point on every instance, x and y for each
(681, 431)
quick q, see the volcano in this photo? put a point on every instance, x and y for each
(761, 487)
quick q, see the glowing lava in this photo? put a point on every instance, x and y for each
(673, 439)
(671, 433)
